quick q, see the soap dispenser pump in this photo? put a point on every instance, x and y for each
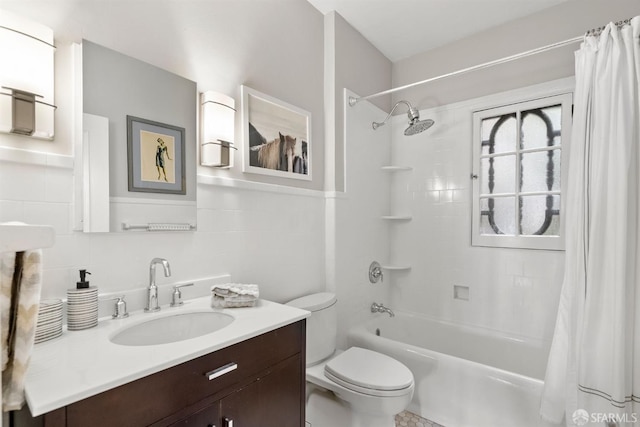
(83, 283)
(82, 304)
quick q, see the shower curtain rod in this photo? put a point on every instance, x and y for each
(354, 100)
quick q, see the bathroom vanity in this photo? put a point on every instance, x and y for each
(235, 377)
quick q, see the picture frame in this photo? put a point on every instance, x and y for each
(276, 137)
(156, 157)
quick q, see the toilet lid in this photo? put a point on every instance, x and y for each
(369, 372)
(314, 302)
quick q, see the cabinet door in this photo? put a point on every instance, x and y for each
(273, 400)
(204, 418)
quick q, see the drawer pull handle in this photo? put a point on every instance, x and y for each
(218, 372)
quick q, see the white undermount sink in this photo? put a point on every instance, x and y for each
(172, 328)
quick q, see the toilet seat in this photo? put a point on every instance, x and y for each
(369, 372)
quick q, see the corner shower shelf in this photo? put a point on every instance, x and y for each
(396, 267)
(397, 217)
(396, 168)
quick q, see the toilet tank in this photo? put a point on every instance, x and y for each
(321, 325)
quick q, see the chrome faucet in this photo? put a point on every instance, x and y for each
(379, 308)
(152, 290)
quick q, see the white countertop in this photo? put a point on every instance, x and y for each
(81, 364)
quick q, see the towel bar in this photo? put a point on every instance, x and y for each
(159, 227)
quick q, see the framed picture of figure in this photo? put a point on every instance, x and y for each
(276, 135)
(156, 157)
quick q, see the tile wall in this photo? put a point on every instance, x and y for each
(513, 291)
(281, 240)
(356, 234)
(260, 236)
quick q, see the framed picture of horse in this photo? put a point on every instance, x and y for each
(276, 137)
(156, 157)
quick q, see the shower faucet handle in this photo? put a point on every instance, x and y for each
(375, 272)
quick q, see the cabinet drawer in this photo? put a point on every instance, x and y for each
(249, 357)
(157, 396)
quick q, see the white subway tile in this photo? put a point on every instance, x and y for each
(22, 181)
(54, 214)
(432, 196)
(461, 196)
(11, 210)
(59, 185)
(446, 196)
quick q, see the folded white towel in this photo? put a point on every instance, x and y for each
(236, 289)
(234, 295)
(220, 302)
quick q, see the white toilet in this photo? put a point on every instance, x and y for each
(352, 388)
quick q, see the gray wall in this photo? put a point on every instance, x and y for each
(567, 20)
(116, 85)
(275, 47)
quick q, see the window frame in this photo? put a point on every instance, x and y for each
(565, 100)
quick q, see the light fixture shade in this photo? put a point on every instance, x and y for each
(26, 77)
(217, 121)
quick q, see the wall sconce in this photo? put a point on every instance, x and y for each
(26, 79)
(217, 122)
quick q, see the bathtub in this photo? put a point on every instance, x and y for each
(465, 376)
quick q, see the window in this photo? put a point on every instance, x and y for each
(517, 200)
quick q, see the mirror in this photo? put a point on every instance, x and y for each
(151, 165)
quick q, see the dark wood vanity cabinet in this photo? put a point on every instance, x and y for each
(270, 401)
(265, 388)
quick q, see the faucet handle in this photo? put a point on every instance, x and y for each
(120, 311)
(375, 272)
(176, 299)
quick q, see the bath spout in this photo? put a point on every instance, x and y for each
(379, 308)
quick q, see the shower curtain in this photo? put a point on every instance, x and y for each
(593, 373)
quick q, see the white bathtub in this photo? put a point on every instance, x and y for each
(465, 377)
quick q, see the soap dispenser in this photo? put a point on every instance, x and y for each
(83, 283)
(82, 304)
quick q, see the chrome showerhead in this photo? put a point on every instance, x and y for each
(415, 124)
(418, 126)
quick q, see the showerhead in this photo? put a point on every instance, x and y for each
(415, 124)
(418, 126)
